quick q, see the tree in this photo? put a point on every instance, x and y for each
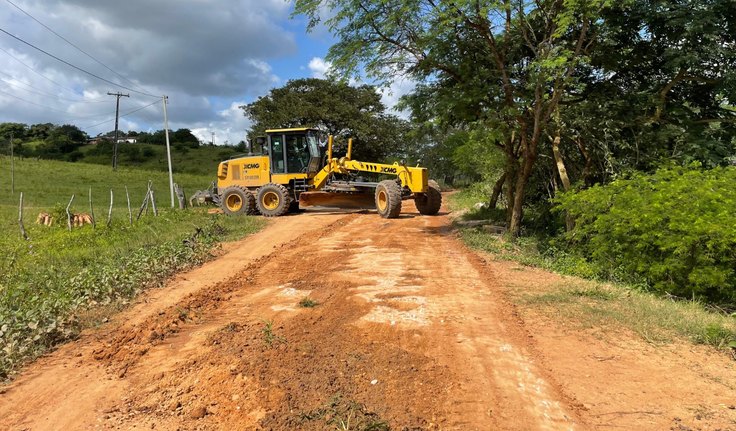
(18, 130)
(659, 89)
(505, 64)
(335, 108)
(40, 131)
(74, 133)
(185, 136)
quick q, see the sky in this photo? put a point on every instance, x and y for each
(206, 57)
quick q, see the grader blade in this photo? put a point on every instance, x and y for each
(337, 200)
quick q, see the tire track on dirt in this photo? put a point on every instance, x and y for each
(69, 389)
(424, 279)
(410, 333)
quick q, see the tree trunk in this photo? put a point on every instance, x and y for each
(517, 209)
(562, 171)
(497, 189)
(512, 173)
(588, 161)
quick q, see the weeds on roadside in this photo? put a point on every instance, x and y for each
(612, 296)
(270, 339)
(308, 302)
(346, 415)
(655, 319)
(54, 279)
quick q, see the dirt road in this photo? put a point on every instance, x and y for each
(411, 331)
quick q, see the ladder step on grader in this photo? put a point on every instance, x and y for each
(293, 171)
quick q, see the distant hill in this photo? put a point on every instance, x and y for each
(147, 150)
(202, 160)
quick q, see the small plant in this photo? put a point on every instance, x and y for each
(183, 313)
(308, 302)
(344, 425)
(345, 415)
(269, 337)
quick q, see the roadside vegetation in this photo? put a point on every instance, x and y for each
(599, 294)
(58, 282)
(598, 135)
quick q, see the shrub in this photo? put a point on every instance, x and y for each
(676, 228)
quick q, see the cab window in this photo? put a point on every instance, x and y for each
(297, 153)
(277, 155)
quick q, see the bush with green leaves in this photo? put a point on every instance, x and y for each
(676, 228)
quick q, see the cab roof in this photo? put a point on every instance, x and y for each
(296, 129)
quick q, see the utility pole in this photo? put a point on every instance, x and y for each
(12, 167)
(117, 95)
(168, 150)
(213, 139)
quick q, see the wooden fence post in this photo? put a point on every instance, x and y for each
(153, 203)
(109, 211)
(69, 214)
(180, 196)
(20, 218)
(92, 210)
(130, 213)
(144, 206)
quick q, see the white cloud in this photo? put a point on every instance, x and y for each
(193, 51)
(229, 127)
(319, 67)
(390, 95)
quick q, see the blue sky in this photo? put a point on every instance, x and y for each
(207, 58)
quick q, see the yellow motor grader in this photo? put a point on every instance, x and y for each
(295, 170)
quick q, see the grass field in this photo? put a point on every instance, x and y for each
(49, 281)
(200, 161)
(46, 182)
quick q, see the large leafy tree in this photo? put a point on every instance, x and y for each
(17, 130)
(505, 65)
(336, 108)
(659, 88)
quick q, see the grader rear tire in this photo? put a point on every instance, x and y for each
(429, 203)
(273, 200)
(388, 199)
(236, 200)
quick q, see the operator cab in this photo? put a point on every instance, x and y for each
(293, 151)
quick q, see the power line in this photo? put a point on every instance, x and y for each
(72, 44)
(72, 119)
(35, 90)
(32, 103)
(38, 73)
(73, 66)
(121, 116)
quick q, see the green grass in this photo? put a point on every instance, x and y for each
(344, 414)
(46, 182)
(48, 283)
(621, 301)
(199, 161)
(655, 319)
(270, 338)
(308, 302)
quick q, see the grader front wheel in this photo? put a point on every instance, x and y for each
(429, 203)
(273, 200)
(388, 199)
